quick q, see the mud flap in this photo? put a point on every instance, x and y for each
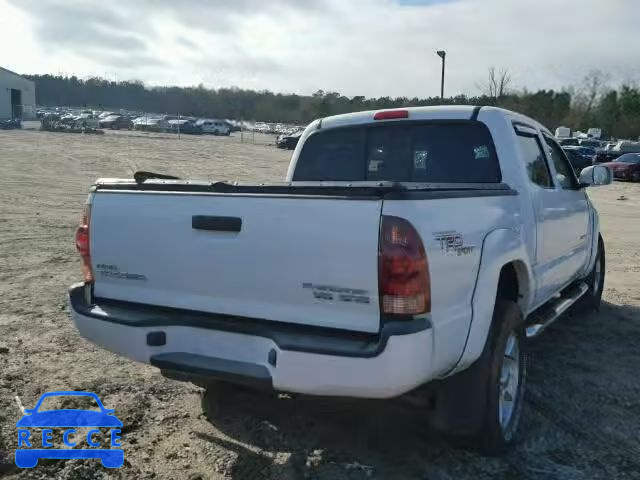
(460, 401)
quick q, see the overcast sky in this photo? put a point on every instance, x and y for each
(356, 47)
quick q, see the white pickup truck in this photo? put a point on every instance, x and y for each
(411, 247)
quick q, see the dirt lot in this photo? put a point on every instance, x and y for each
(583, 407)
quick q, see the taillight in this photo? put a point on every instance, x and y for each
(82, 244)
(391, 115)
(404, 283)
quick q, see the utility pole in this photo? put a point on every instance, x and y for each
(442, 54)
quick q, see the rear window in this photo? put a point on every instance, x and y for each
(437, 152)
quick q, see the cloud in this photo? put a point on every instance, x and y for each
(356, 47)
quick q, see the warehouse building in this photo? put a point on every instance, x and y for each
(17, 96)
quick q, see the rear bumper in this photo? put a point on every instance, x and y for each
(309, 360)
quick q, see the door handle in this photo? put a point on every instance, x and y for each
(216, 224)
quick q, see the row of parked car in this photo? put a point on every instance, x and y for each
(152, 123)
(288, 134)
(623, 157)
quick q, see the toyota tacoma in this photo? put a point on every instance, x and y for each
(408, 250)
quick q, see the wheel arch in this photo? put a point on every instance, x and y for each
(505, 272)
(513, 283)
(596, 240)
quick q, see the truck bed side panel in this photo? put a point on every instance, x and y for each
(453, 230)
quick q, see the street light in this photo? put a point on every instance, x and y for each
(442, 54)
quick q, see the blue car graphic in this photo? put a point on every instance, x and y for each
(28, 457)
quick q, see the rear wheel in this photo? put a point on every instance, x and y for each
(635, 176)
(481, 407)
(507, 374)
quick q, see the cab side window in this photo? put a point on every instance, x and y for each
(565, 175)
(534, 159)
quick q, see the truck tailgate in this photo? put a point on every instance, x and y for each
(303, 260)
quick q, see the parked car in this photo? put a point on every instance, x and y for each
(68, 119)
(289, 141)
(116, 122)
(214, 127)
(396, 267)
(261, 127)
(568, 142)
(150, 124)
(188, 127)
(234, 125)
(625, 146)
(626, 167)
(563, 133)
(586, 151)
(578, 158)
(10, 124)
(589, 142)
(595, 133)
(87, 120)
(605, 156)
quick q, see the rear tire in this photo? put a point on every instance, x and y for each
(481, 406)
(506, 382)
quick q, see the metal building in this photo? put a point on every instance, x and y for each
(17, 96)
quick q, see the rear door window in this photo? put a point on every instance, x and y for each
(535, 162)
(438, 152)
(565, 174)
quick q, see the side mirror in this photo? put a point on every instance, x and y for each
(596, 175)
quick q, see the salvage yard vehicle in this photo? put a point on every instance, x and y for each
(580, 157)
(186, 126)
(413, 251)
(626, 167)
(214, 127)
(289, 140)
(116, 122)
(149, 124)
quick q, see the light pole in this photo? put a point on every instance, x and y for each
(442, 54)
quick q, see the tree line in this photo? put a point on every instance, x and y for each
(593, 103)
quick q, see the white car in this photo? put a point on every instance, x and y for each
(88, 120)
(215, 127)
(413, 250)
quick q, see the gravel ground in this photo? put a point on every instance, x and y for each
(582, 411)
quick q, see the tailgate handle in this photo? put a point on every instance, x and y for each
(217, 224)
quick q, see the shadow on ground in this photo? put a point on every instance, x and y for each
(305, 437)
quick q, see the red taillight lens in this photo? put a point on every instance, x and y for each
(391, 115)
(404, 283)
(82, 244)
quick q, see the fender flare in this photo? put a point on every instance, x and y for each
(595, 236)
(499, 248)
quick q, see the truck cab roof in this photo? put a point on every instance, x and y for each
(444, 112)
